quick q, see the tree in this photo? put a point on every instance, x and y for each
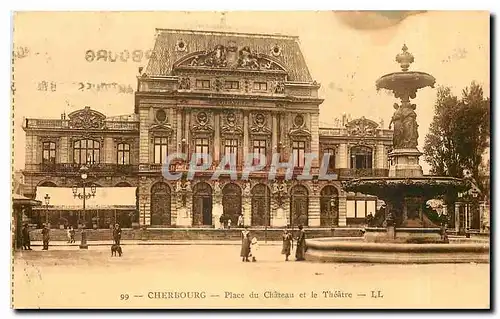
(459, 133)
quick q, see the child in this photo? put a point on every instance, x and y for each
(254, 249)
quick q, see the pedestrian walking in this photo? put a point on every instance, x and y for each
(45, 237)
(301, 245)
(240, 221)
(254, 249)
(71, 234)
(245, 244)
(221, 221)
(26, 237)
(287, 243)
(68, 234)
(117, 234)
(229, 223)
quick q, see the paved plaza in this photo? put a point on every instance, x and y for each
(163, 276)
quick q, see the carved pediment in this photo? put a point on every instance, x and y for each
(361, 127)
(163, 129)
(230, 57)
(303, 132)
(86, 119)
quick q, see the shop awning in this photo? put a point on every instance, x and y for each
(62, 198)
(22, 200)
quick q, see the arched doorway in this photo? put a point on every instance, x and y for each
(231, 202)
(123, 184)
(261, 205)
(299, 205)
(160, 205)
(202, 204)
(329, 206)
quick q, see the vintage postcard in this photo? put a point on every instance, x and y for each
(203, 160)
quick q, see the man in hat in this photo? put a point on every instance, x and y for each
(45, 237)
(26, 237)
(117, 234)
(301, 245)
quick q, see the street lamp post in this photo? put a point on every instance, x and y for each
(47, 201)
(144, 198)
(84, 196)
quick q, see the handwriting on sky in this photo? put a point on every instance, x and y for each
(51, 86)
(121, 56)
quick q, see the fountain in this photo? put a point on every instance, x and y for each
(405, 233)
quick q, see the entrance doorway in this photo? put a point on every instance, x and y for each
(329, 206)
(202, 204)
(261, 205)
(231, 202)
(299, 206)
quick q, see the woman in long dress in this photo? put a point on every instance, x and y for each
(245, 245)
(301, 245)
(287, 243)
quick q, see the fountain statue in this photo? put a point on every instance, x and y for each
(406, 189)
(403, 231)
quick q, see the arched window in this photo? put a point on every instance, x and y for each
(86, 152)
(361, 157)
(123, 155)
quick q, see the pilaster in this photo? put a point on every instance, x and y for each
(245, 140)
(342, 210)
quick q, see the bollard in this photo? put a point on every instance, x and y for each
(83, 244)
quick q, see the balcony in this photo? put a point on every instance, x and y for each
(64, 124)
(69, 168)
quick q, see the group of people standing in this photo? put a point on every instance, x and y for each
(249, 248)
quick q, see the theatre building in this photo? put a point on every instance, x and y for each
(214, 93)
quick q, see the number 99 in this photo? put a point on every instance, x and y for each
(124, 297)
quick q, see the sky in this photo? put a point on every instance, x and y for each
(346, 53)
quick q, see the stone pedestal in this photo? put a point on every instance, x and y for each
(183, 219)
(279, 219)
(404, 163)
(217, 211)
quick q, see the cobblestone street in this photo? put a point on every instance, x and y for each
(69, 277)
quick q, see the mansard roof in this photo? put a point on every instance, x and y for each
(174, 46)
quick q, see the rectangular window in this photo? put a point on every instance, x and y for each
(232, 85)
(203, 84)
(160, 150)
(331, 159)
(260, 86)
(123, 155)
(231, 149)
(259, 149)
(86, 152)
(201, 147)
(298, 151)
(49, 153)
(360, 209)
(351, 209)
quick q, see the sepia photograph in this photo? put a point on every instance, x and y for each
(250, 160)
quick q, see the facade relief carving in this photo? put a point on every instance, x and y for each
(299, 127)
(230, 57)
(86, 119)
(362, 127)
(202, 122)
(260, 124)
(184, 84)
(231, 123)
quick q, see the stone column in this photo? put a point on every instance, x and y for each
(179, 130)
(315, 138)
(109, 151)
(379, 153)
(187, 125)
(63, 149)
(342, 209)
(245, 139)
(457, 216)
(274, 136)
(314, 216)
(343, 155)
(216, 156)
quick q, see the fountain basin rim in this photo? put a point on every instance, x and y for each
(321, 244)
(421, 79)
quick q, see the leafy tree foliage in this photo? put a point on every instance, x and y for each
(459, 133)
